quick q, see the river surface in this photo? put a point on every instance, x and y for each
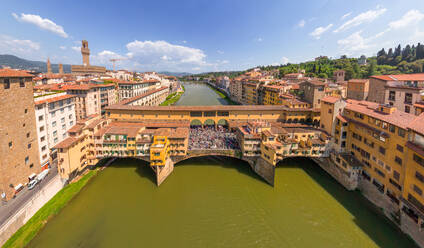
(217, 202)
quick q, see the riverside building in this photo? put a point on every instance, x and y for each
(55, 115)
(18, 146)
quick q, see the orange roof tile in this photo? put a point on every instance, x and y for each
(397, 118)
(14, 73)
(54, 99)
(401, 77)
(417, 125)
(330, 99)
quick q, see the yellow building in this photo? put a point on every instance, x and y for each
(78, 151)
(159, 151)
(250, 94)
(291, 101)
(377, 136)
(271, 94)
(413, 196)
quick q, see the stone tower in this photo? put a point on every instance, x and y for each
(85, 53)
(49, 66)
(60, 69)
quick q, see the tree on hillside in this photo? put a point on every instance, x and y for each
(371, 69)
(398, 51)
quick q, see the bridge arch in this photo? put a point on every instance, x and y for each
(223, 122)
(195, 122)
(300, 157)
(209, 122)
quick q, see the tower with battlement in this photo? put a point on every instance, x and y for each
(86, 68)
(49, 66)
(85, 53)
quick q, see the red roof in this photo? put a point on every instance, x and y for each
(54, 99)
(418, 124)
(397, 118)
(330, 99)
(401, 77)
(14, 73)
(341, 118)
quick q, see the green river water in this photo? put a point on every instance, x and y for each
(217, 202)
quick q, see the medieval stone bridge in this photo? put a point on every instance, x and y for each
(261, 167)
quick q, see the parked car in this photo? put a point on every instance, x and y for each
(43, 174)
(32, 184)
(18, 188)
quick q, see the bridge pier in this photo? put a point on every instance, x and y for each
(264, 170)
(163, 172)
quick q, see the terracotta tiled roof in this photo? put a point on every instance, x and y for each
(130, 100)
(210, 108)
(129, 131)
(76, 128)
(341, 118)
(354, 80)
(66, 143)
(417, 125)
(401, 77)
(54, 99)
(397, 118)
(76, 87)
(14, 73)
(330, 99)
(95, 123)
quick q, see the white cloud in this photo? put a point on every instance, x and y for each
(63, 47)
(42, 23)
(104, 57)
(153, 51)
(319, 31)
(345, 16)
(76, 49)
(364, 17)
(24, 48)
(411, 17)
(283, 61)
(301, 23)
(222, 62)
(355, 44)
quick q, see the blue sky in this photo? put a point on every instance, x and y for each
(198, 35)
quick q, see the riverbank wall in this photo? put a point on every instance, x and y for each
(230, 100)
(30, 208)
(380, 200)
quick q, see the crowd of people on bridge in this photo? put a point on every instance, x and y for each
(209, 137)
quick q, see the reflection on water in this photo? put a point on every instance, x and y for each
(200, 94)
(217, 202)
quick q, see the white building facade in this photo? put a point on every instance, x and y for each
(55, 115)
